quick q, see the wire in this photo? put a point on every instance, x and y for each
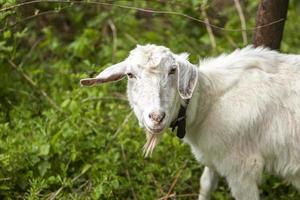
(138, 9)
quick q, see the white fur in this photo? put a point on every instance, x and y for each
(251, 120)
(243, 116)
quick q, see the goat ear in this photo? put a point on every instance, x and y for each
(113, 73)
(187, 76)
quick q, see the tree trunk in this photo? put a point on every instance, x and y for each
(270, 11)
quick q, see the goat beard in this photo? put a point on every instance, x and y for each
(152, 141)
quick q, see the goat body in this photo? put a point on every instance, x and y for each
(243, 116)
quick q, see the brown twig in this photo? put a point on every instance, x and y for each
(28, 55)
(131, 38)
(157, 184)
(103, 98)
(176, 179)
(142, 10)
(114, 35)
(179, 196)
(242, 19)
(54, 194)
(231, 41)
(122, 125)
(208, 28)
(34, 16)
(127, 172)
(33, 84)
(86, 183)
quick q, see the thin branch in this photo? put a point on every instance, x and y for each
(179, 196)
(231, 41)
(142, 10)
(176, 179)
(131, 38)
(114, 35)
(122, 125)
(84, 184)
(127, 173)
(242, 19)
(5, 179)
(103, 98)
(28, 55)
(208, 28)
(157, 184)
(33, 84)
(34, 16)
(54, 195)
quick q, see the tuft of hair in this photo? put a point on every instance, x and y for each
(184, 55)
(149, 56)
(152, 141)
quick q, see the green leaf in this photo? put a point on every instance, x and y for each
(44, 149)
(43, 167)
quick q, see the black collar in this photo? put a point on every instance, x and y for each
(180, 121)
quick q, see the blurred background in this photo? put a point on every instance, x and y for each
(61, 141)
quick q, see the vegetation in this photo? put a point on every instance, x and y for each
(61, 141)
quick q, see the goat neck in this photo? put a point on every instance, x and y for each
(200, 103)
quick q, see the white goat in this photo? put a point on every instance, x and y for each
(243, 116)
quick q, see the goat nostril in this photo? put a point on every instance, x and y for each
(157, 117)
(162, 116)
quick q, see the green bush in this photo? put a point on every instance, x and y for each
(58, 140)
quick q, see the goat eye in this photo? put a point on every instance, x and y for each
(130, 75)
(172, 71)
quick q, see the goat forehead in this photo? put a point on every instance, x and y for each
(151, 57)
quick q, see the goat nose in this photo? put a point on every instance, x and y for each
(157, 117)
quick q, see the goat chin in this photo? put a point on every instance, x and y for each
(152, 141)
